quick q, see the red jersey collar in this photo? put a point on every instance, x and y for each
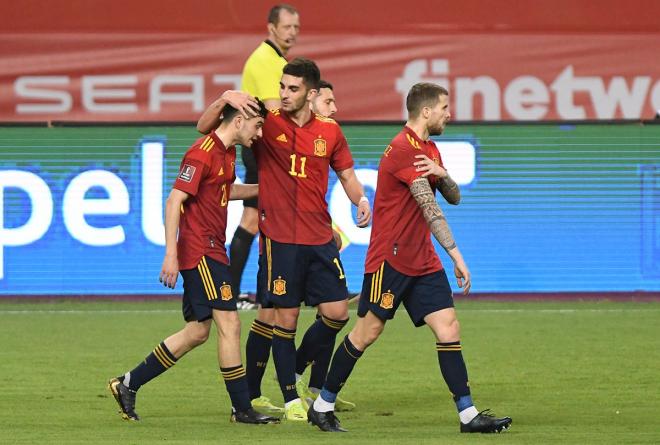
(409, 131)
(217, 141)
(285, 115)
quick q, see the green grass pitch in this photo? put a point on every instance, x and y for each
(567, 372)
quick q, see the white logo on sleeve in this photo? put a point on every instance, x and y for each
(187, 173)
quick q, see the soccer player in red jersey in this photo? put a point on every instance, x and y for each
(325, 105)
(260, 78)
(402, 265)
(197, 209)
(300, 260)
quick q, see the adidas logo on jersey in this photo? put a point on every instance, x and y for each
(281, 138)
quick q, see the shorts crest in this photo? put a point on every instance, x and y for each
(387, 300)
(279, 286)
(225, 292)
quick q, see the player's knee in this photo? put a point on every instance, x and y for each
(452, 331)
(250, 220)
(253, 227)
(365, 336)
(372, 334)
(266, 316)
(287, 322)
(199, 334)
(335, 311)
(287, 317)
(229, 325)
(456, 327)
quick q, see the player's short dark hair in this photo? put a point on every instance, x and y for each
(229, 112)
(423, 94)
(274, 13)
(325, 84)
(305, 68)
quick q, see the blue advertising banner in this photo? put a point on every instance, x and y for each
(545, 208)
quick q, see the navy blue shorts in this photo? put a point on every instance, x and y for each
(290, 274)
(385, 289)
(205, 288)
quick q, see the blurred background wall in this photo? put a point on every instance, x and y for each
(166, 60)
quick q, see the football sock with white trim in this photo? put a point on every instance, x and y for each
(454, 372)
(343, 362)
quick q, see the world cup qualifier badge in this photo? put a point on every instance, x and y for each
(187, 172)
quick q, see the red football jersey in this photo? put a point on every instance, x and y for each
(400, 233)
(206, 174)
(293, 164)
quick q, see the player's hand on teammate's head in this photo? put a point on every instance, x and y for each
(426, 165)
(169, 272)
(243, 102)
(363, 213)
(463, 277)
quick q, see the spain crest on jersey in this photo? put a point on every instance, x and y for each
(225, 292)
(279, 286)
(320, 147)
(387, 300)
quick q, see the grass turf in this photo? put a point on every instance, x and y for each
(567, 372)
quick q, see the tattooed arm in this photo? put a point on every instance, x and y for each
(448, 187)
(449, 190)
(421, 191)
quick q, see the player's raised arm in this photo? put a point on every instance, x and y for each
(170, 269)
(355, 193)
(423, 194)
(243, 102)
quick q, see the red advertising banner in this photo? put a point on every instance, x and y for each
(123, 73)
